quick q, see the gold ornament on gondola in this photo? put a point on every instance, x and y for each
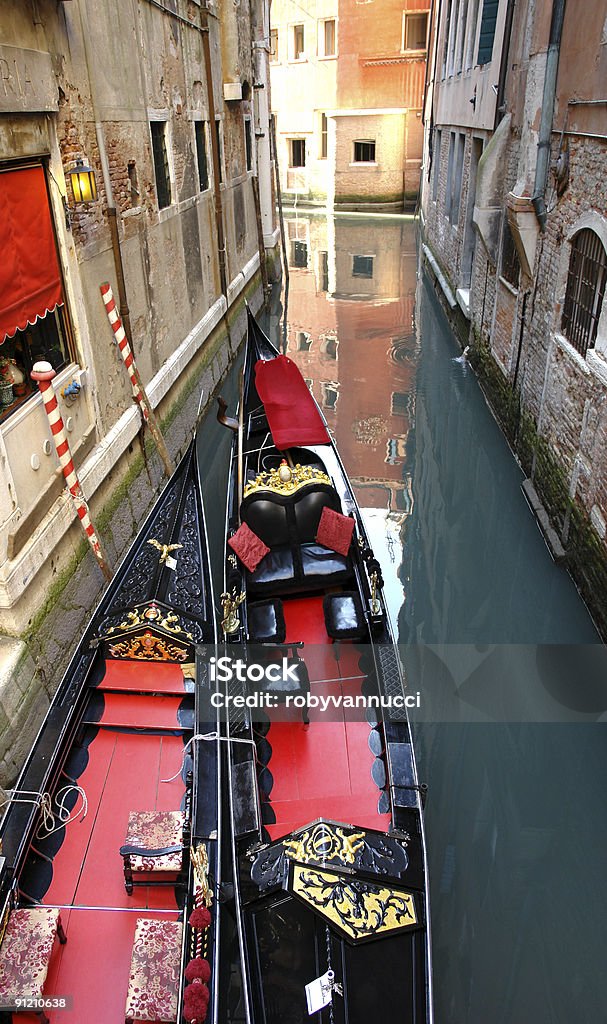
(230, 603)
(375, 606)
(286, 479)
(165, 549)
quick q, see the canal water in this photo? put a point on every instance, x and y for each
(494, 634)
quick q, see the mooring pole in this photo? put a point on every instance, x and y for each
(43, 373)
(139, 393)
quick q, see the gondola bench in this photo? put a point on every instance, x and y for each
(25, 955)
(154, 976)
(288, 525)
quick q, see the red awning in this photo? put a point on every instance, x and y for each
(30, 281)
(292, 413)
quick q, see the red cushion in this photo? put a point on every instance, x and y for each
(335, 531)
(248, 546)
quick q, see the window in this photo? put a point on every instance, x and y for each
(201, 156)
(585, 290)
(364, 152)
(131, 170)
(487, 31)
(298, 42)
(327, 47)
(299, 254)
(438, 138)
(323, 271)
(330, 394)
(362, 266)
(472, 23)
(324, 137)
(273, 46)
(219, 151)
(161, 163)
(248, 143)
(457, 144)
(298, 153)
(415, 31)
(396, 450)
(510, 267)
(33, 321)
(449, 191)
(399, 405)
(46, 339)
(304, 340)
(448, 14)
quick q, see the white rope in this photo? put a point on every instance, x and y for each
(45, 803)
(62, 814)
(209, 736)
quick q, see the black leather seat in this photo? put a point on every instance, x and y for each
(344, 616)
(288, 525)
(266, 621)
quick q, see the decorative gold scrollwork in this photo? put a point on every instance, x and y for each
(299, 476)
(148, 648)
(324, 843)
(358, 908)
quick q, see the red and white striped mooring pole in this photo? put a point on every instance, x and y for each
(139, 394)
(43, 373)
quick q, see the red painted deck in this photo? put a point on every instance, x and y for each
(123, 774)
(324, 769)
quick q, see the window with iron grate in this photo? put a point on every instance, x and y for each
(161, 163)
(586, 279)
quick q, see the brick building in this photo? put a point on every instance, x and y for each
(347, 85)
(515, 232)
(168, 104)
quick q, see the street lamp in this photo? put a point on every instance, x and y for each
(84, 186)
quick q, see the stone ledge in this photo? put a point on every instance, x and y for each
(551, 537)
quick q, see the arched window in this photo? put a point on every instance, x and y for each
(586, 280)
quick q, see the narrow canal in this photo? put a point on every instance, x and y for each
(494, 633)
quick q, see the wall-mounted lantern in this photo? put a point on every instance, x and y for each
(84, 186)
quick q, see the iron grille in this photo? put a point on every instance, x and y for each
(585, 290)
(161, 163)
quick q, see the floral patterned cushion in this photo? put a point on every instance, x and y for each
(26, 952)
(154, 978)
(155, 830)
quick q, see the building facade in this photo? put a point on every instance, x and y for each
(515, 233)
(347, 86)
(169, 105)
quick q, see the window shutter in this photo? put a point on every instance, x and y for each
(487, 33)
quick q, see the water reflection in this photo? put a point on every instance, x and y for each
(515, 819)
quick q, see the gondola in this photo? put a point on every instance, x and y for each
(110, 866)
(330, 882)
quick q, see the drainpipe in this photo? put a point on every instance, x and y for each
(500, 108)
(221, 245)
(543, 146)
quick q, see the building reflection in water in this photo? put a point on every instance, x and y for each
(351, 331)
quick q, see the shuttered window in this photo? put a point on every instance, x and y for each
(487, 33)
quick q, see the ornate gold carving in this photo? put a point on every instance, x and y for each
(230, 603)
(325, 843)
(375, 606)
(165, 549)
(299, 477)
(155, 616)
(358, 908)
(148, 648)
(200, 862)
